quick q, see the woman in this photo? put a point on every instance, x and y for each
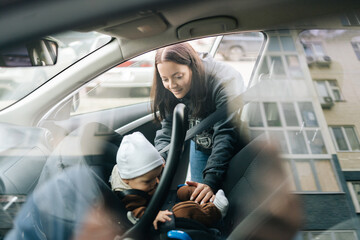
(203, 85)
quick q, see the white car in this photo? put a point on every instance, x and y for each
(135, 75)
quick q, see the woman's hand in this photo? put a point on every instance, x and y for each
(162, 216)
(202, 194)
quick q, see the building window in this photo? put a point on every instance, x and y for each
(345, 138)
(328, 89)
(356, 47)
(314, 49)
(316, 54)
(312, 175)
(281, 42)
(327, 235)
(354, 188)
(281, 61)
(293, 125)
(272, 114)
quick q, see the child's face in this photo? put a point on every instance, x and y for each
(146, 182)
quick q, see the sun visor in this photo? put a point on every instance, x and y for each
(207, 26)
(138, 28)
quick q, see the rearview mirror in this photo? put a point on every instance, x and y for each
(42, 52)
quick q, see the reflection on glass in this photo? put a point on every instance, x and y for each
(277, 66)
(290, 175)
(255, 133)
(319, 50)
(19, 82)
(279, 138)
(340, 139)
(332, 83)
(308, 50)
(264, 69)
(255, 119)
(297, 142)
(353, 140)
(287, 44)
(308, 114)
(290, 114)
(305, 236)
(345, 236)
(284, 31)
(322, 89)
(356, 186)
(326, 176)
(316, 142)
(322, 236)
(294, 66)
(337, 95)
(274, 45)
(306, 176)
(272, 115)
(356, 47)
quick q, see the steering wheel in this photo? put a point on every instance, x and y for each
(178, 133)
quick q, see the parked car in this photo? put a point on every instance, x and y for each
(135, 75)
(296, 175)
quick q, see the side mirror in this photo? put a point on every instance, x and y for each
(42, 52)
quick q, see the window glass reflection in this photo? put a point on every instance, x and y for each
(306, 176)
(345, 236)
(353, 140)
(326, 176)
(277, 66)
(290, 114)
(274, 45)
(308, 114)
(316, 142)
(279, 138)
(255, 119)
(297, 142)
(287, 43)
(339, 138)
(294, 66)
(272, 114)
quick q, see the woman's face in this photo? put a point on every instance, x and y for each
(175, 77)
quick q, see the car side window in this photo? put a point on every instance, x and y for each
(241, 51)
(130, 82)
(126, 84)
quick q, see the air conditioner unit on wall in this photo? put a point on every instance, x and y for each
(310, 60)
(327, 102)
(323, 61)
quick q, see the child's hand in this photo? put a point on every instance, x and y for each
(162, 216)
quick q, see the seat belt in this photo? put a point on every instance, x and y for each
(206, 122)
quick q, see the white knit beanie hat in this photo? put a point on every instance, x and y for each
(136, 156)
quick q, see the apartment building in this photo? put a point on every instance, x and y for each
(306, 96)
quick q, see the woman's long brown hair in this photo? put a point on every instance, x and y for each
(163, 100)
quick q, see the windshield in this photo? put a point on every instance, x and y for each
(17, 82)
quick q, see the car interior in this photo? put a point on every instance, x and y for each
(49, 144)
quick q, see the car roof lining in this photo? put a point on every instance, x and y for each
(197, 21)
(249, 15)
(116, 18)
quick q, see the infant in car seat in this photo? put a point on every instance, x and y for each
(135, 177)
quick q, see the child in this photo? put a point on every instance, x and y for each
(139, 166)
